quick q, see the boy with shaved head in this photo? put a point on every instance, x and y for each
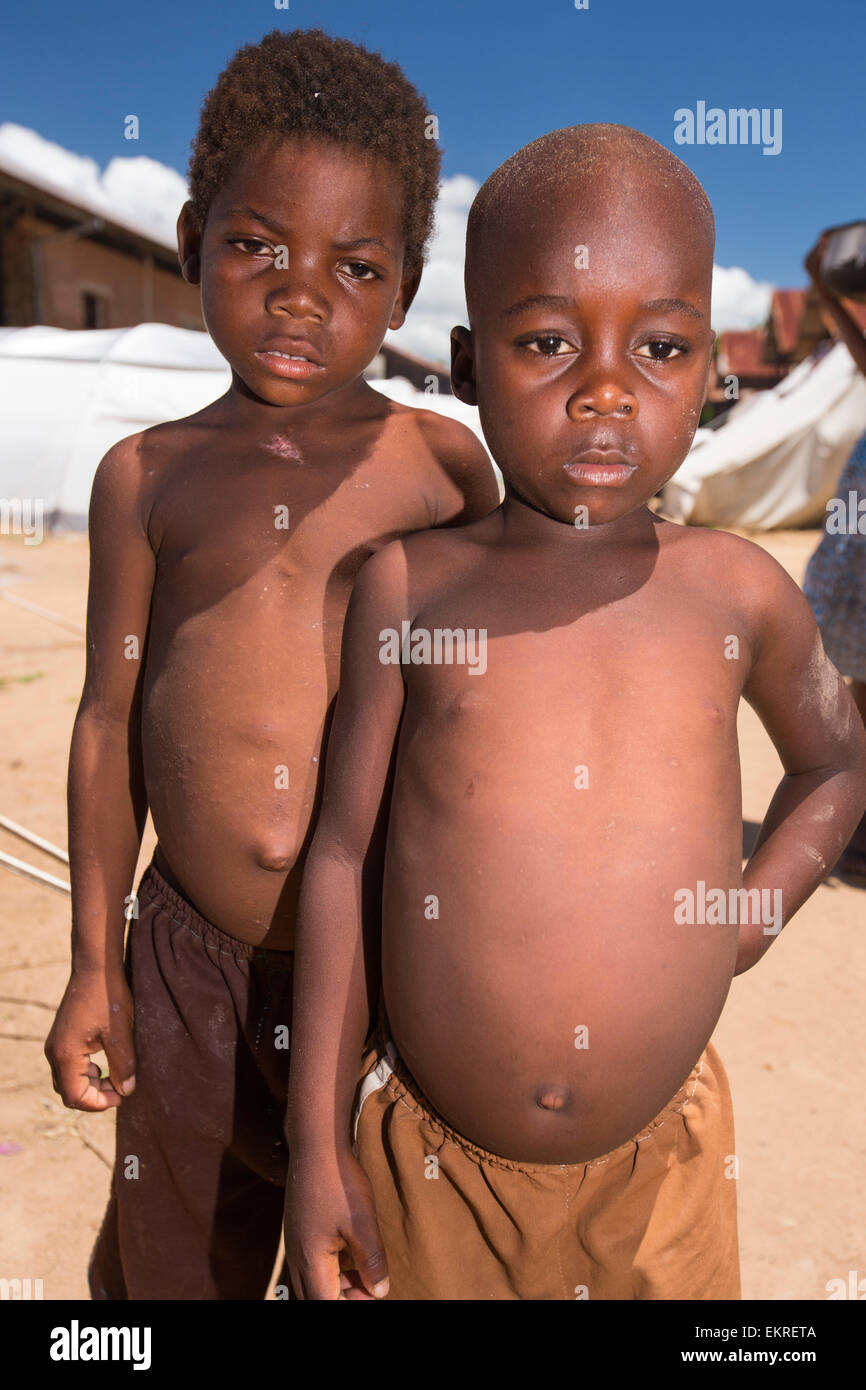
(542, 1114)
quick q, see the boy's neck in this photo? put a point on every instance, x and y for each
(523, 522)
(249, 409)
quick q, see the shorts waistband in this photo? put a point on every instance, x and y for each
(155, 889)
(392, 1072)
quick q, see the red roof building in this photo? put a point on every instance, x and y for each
(756, 359)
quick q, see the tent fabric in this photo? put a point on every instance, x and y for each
(66, 396)
(777, 459)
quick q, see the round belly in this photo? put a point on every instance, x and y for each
(539, 984)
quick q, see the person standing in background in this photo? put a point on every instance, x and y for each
(835, 582)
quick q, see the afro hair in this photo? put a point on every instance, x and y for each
(306, 84)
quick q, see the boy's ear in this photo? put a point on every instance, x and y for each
(189, 245)
(463, 366)
(405, 295)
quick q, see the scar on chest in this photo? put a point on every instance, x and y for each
(284, 448)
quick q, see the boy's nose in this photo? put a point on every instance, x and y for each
(602, 396)
(298, 297)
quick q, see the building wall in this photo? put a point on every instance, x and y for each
(135, 290)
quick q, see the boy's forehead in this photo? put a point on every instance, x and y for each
(633, 232)
(282, 170)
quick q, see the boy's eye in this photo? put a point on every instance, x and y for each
(548, 345)
(246, 242)
(661, 350)
(359, 271)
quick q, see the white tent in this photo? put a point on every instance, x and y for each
(67, 396)
(776, 459)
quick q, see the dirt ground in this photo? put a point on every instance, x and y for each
(788, 1035)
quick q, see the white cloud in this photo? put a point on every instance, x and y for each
(138, 192)
(440, 303)
(149, 195)
(738, 300)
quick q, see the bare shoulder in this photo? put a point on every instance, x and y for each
(118, 482)
(445, 436)
(733, 568)
(134, 469)
(737, 563)
(468, 483)
(415, 566)
(455, 445)
(138, 454)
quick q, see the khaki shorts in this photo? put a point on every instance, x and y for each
(654, 1219)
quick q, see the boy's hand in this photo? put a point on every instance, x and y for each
(330, 1222)
(95, 1015)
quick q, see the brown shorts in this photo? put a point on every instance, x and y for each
(198, 1189)
(654, 1219)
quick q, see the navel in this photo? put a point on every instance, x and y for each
(553, 1099)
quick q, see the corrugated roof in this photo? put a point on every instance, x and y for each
(786, 312)
(75, 181)
(742, 353)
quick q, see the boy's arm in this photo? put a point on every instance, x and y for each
(106, 797)
(329, 1208)
(806, 709)
(471, 487)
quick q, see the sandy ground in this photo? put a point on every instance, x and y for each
(788, 1035)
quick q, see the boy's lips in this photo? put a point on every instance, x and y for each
(290, 357)
(600, 468)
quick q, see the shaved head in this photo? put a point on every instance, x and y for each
(589, 270)
(599, 167)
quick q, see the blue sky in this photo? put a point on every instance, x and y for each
(497, 73)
